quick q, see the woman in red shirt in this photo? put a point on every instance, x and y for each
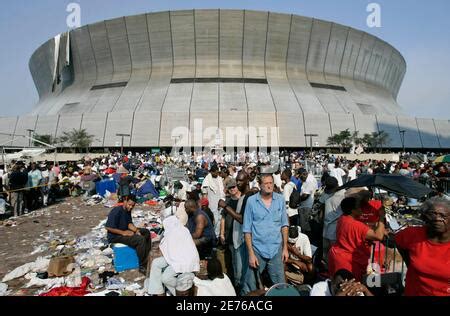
(352, 250)
(426, 251)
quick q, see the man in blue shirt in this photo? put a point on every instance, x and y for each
(121, 230)
(266, 234)
(297, 181)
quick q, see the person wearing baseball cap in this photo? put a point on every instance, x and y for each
(226, 228)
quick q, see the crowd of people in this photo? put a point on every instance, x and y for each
(259, 222)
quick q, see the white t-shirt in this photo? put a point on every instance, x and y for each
(303, 245)
(338, 173)
(321, 289)
(216, 287)
(287, 191)
(352, 174)
(330, 166)
(277, 180)
(45, 174)
(182, 193)
(214, 189)
(309, 187)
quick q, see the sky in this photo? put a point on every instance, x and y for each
(419, 29)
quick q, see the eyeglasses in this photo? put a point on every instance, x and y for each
(233, 187)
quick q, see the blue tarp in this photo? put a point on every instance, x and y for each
(105, 185)
(147, 188)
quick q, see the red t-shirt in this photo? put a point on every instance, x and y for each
(351, 251)
(429, 268)
(370, 212)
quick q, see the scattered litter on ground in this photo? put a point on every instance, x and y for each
(39, 265)
(93, 256)
(3, 289)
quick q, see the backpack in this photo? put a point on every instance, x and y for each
(294, 200)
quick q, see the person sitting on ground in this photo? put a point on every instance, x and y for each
(426, 251)
(218, 283)
(179, 261)
(201, 229)
(299, 266)
(121, 230)
(342, 284)
(352, 250)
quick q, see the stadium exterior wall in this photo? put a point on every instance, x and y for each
(254, 78)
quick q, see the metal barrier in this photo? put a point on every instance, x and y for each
(433, 183)
(389, 267)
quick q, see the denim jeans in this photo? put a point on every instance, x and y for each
(240, 265)
(17, 200)
(275, 268)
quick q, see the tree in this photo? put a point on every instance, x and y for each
(78, 139)
(341, 140)
(333, 140)
(48, 139)
(375, 140)
(368, 140)
(356, 139)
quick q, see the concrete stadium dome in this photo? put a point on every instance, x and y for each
(246, 77)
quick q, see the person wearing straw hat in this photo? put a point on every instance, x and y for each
(125, 181)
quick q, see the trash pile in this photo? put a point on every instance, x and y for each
(83, 266)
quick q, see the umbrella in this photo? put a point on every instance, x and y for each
(445, 158)
(398, 184)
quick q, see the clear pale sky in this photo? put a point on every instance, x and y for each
(419, 29)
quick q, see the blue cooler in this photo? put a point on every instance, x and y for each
(125, 258)
(105, 185)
